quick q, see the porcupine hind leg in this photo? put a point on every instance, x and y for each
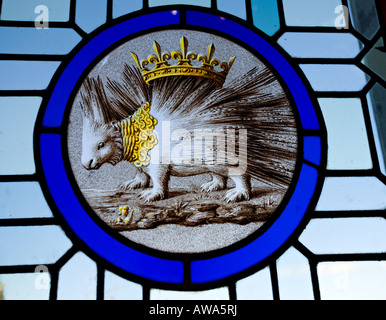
(217, 183)
(141, 180)
(242, 189)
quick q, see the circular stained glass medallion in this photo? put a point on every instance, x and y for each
(182, 148)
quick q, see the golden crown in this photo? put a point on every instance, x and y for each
(183, 67)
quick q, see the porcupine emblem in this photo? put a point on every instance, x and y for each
(156, 114)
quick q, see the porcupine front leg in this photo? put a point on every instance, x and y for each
(242, 189)
(141, 180)
(217, 183)
(159, 174)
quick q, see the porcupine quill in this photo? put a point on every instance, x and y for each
(251, 102)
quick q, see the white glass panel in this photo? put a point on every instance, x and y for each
(348, 146)
(311, 12)
(345, 235)
(320, 45)
(37, 41)
(24, 286)
(352, 193)
(294, 276)
(214, 294)
(122, 7)
(24, 10)
(117, 288)
(356, 280)
(17, 119)
(258, 286)
(77, 279)
(26, 75)
(334, 77)
(33, 245)
(22, 200)
(237, 8)
(90, 16)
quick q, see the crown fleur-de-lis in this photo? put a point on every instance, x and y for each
(208, 60)
(160, 59)
(184, 56)
(226, 66)
(183, 67)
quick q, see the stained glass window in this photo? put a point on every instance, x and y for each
(314, 71)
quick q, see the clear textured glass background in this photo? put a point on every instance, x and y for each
(341, 254)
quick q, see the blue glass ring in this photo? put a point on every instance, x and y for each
(168, 270)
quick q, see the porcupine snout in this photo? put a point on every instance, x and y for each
(91, 164)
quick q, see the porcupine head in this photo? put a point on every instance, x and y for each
(101, 137)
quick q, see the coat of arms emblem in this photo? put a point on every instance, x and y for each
(181, 147)
(205, 144)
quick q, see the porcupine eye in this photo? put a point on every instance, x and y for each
(101, 145)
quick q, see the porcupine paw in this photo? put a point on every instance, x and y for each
(152, 195)
(212, 186)
(236, 194)
(136, 183)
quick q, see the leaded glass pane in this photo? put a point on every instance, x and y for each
(117, 288)
(16, 146)
(255, 287)
(26, 75)
(331, 77)
(352, 193)
(325, 238)
(377, 109)
(22, 200)
(32, 245)
(77, 279)
(294, 276)
(35, 41)
(375, 59)
(24, 286)
(265, 16)
(364, 17)
(311, 13)
(122, 7)
(345, 235)
(90, 17)
(214, 294)
(320, 45)
(28, 10)
(236, 8)
(352, 280)
(348, 146)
